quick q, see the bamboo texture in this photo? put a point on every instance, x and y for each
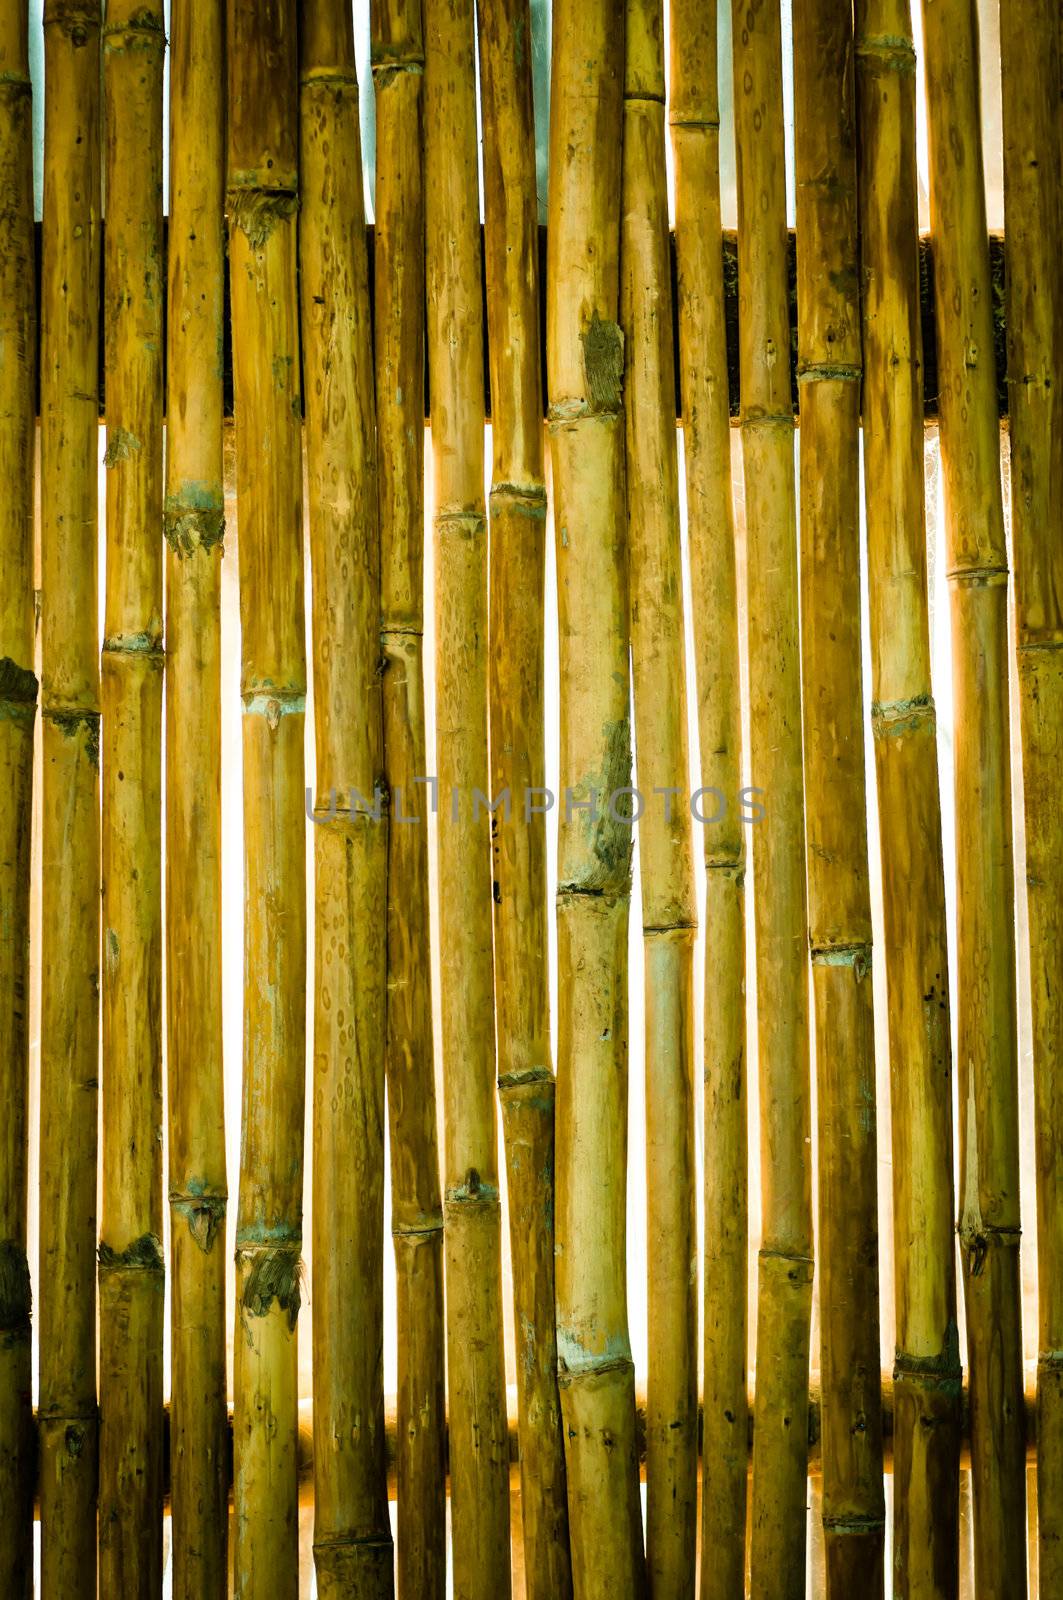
(416, 1206)
(476, 1386)
(989, 1223)
(695, 125)
(526, 1084)
(18, 715)
(70, 826)
(263, 198)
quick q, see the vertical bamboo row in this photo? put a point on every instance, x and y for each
(665, 846)
(352, 1535)
(526, 1084)
(926, 1445)
(479, 1442)
(585, 360)
(785, 1270)
(978, 582)
(416, 1208)
(695, 122)
(18, 713)
(263, 199)
(70, 839)
(1030, 63)
(194, 525)
(131, 1264)
(839, 892)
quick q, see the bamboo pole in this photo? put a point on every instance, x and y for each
(263, 198)
(586, 431)
(70, 829)
(785, 1271)
(665, 845)
(194, 525)
(839, 892)
(416, 1207)
(927, 1367)
(130, 1253)
(352, 1535)
(526, 1083)
(18, 712)
(695, 123)
(1030, 63)
(978, 581)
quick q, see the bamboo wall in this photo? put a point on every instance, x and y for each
(614, 851)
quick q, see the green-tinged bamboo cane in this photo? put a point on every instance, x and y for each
(585, 359)
(695, 120)
(839, 892)
(416, 1208)
(18, 713)
(1030, 64)
(352, 1535)
(70, 828)
(526, 1083)
(479, 1456)
(926, 1444)
(263, 199)
(785, 1278)
(131, 1265)
(978, 583)
(665, 846)
(194, 524)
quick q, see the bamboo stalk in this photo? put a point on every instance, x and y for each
(416, 1207)
(70, 837)
(785, 1272)
(263, 198)
(18, 712)
(927, 1368)
(352, 1535)
(526, 1083)
(586, 431)
(1030, 65)
(839, 892)
(695, 123)
(665, 846)
(978, 581)
(130, 1253)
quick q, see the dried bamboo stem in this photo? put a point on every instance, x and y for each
(263, 198)
(194, 524)
(1030, 64)
(475, 1366)
(18, 713)
(416, 1208)
(352, 1535)
(785, 1292)
(70, 844)
(978, 580)
(586, 430)
(526, 1082)
(665, 847)
(839, 890)
(927, 1368)
(695, 123)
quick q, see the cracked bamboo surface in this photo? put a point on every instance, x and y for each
(353, 1552)
(976, 558)
(526, 1084)
(70, 828)
(262, 201)
(927, 1419)
(18, 715)
(416, 1206)
(476, 1384)
(1030, 62)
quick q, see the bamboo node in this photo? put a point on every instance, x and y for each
(527, 498)
(978, 1237)
(473, 1192)
(990, 575)
(204, 1213)
(143, 1255)
(524, 1075)
(603, 364)
(121, 446)
(893, 717)
(15, 85)
(825, 372)
(75, 20)
(194, 519)
(18, 687)
(891, 52)
(276, 1274)
(857, 956)
(256, 211)
(16, 1294)
(134, 644)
